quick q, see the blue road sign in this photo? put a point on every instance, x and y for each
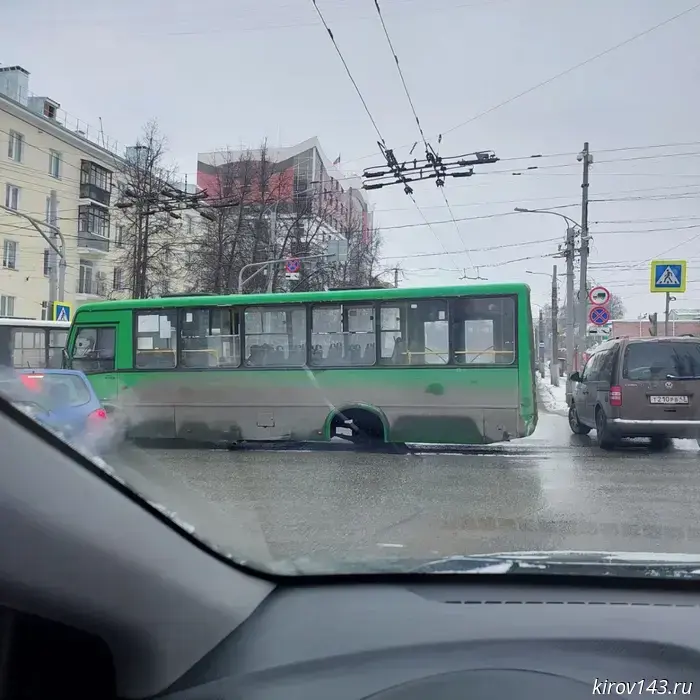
(62, 311)
(599, 316)
(668, 276)
(293, 265)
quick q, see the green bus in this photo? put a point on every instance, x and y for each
(409, 365)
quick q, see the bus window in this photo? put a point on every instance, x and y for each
(210, 338)
(342, 335)
(415, 333)
(483, 330)
(156, 339)
(275, 337)
(93, 349)
(29, 347)
(57, 343)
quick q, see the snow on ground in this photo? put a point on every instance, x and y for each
(552, 398)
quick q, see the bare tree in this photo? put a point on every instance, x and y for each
(245, 196)
(262, 215)
(151, 233)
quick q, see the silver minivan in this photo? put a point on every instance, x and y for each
(638, 387)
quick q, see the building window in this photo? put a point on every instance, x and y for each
(93, 174)
(117, 282)
(9, 254)
(85, 282)
(15, 147)
(55, 164)
(119, 235)
(93, 219)
(47, 262)
(12, 197)
(7, 306)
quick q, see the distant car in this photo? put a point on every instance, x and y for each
(64, 401)
(638, 387)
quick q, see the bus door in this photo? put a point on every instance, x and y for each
(93, 351)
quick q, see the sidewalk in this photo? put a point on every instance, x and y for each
(552, 398)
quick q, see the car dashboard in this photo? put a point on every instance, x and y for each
(455, 641)
(102, 596)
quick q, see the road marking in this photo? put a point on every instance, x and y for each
(389, 544)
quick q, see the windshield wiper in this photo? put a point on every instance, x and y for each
(684, 377)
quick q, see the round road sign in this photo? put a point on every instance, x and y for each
(599, 296)
(599, 316)
(293, 265)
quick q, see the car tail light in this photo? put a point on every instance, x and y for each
(30, 381)
(97, 417)
(616, 396)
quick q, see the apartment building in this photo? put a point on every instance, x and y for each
(56, 171)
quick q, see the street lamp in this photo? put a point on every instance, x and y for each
(522, 210)
(572, 229)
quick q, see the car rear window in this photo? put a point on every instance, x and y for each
(58, 390)
(659, 359)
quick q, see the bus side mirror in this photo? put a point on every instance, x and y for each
(574, 377)
(66, 359)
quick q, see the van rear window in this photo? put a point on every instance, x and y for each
(658, 360)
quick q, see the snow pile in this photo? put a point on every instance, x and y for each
(552, 398)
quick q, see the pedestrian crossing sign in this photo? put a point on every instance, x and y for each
(62, 311)
(668, 276)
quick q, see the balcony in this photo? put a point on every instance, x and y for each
(89, 190)
(95, 183)
(93, 242)
(93, 228)
(87, 286)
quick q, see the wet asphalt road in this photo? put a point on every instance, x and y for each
(550, 491)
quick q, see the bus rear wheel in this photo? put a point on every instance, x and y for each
(358, 425)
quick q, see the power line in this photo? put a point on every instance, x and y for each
(561, 74)
(571, 69)
(429, 153)
(347, 70)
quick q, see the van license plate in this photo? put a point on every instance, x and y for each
(668, 399)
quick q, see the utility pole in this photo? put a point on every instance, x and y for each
(554, 366)
(667, 312)
(569, 255)
(586, 158)
(540, 348)
(53, 258)
(396, 277)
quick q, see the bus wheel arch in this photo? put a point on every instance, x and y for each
(368, 423)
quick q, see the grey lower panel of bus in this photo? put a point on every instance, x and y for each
(229, 409)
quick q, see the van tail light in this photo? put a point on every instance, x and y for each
(616, 396)
(97, 417)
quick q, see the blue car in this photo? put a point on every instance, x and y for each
(64, 401)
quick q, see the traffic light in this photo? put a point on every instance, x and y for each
(653, 324)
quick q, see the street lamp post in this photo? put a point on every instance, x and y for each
(571, 230)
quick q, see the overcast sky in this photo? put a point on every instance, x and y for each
(219, 73)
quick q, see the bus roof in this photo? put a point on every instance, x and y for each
(32, 323)
(298, 297)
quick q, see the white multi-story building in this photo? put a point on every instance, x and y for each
(43, 160)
